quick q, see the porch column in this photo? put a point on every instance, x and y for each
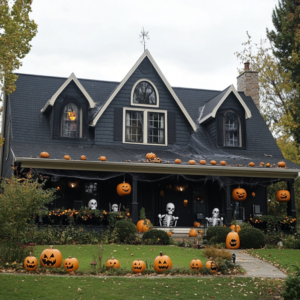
(291, 205)
(228, 214)
(134, 204)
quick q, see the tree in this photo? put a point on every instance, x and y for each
(16, 32)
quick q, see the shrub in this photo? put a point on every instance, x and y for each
(252, 238)
(245, 225)
(156, 237)
(125, 229)
(218, 233)
(288, 242)
(297, 244)
(292, 288)
(216, 253)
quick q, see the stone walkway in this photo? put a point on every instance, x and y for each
(256, 267)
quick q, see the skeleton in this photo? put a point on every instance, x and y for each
(92, 204)
(168, 220)
(114, 207)
(214, 220)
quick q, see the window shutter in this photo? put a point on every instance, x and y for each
(56, 120)
(243, 131)
(171, 127)
(220, 133)
(118, 123)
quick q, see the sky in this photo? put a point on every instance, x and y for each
(192, 41)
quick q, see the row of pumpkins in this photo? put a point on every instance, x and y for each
(53, 258)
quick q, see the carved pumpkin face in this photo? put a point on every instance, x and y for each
(211, 266)
(239, 194)
(283, 196)
(233, 240)
(72, 115)
(112, 264)
(162, 263)
(71, 264)
(30, 263)
(138, 266)
(123, 189)
(196, 264)
(51, 258)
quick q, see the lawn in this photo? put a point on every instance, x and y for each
(285, 258)
(126, 254)
(46, 287)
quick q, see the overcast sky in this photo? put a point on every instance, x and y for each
(192, 41)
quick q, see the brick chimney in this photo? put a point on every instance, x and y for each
(247, 82)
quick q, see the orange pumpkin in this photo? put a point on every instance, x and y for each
(146, 227)
(30, 263)
(232, 240)
(200, 231)
(223, 163)
(262, 164)
(51, 258)
(83, 157)
(102, 158)
(185, 202)
(281, 164)
(213, 162)
(253, 194)
(235, 228)
(212, 266)
(71, 264)
(251, 164)
(67, 157)
(192, 162)
(150, 156)
(123, 189)
(193, 232)
(197, 224)
(162, 263)
(268, 165)
(283, 196)
(196, 264)
(44, 155)
(177, 161)
(140, 225)
(202, 162)
(138, 266)
(239, 194)
(112, 264)
(169, 233)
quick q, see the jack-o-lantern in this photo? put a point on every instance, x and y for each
(202, 162)
(51, 258)
(44, 154)
(193, 232)
(71, 264)
(150, 156)
(233, 240)
(239, 194)
(162, 263)
(283, 196)
(235, 228)
(212, 266)
(123, 189)
(72, 115)
(192, 162)
(213, 162)
(112, 264)
(138, 266)
(197, 224)
(30, 263)
(196, 264)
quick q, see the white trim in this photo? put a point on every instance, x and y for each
(231, 89)
(147, 105)
(145, 54)
(145, 125)
(58, 92)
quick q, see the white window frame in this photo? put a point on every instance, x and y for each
(224, 130)
(145, 125)
(141, 104)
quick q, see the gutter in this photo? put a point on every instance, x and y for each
(2, 131)
(157, 168)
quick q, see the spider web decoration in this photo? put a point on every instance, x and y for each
(144, 36)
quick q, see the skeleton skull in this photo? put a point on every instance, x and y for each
(92, 204)
(170, 208)
(115, 208)
(215, 213)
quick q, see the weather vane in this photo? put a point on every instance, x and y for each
(144, 35)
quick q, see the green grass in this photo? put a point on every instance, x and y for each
(46, 287)
(181, 257)
(285, 258)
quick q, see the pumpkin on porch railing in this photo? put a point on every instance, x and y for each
(83, 157)
(192, 162)
(177, 161)
(283, 196)
(213, 162)
(67, 157)
(202, 162)
(223, 163)
(239, 194)
(123, 189)
(102, 158)
(44, 154)
(150, 156)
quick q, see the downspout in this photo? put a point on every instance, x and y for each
(2, 131)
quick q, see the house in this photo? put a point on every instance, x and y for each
(124, 121)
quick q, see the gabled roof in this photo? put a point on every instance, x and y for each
(82, 89)
(211, 107)
(115, 92)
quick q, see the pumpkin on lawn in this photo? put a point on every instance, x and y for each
(212, 266)
(140, 226)
(196, 264)
(51, 258)
(112, 264)
(71, 264)
(138, 266)
(30, 263)
(283, 196)
(162, 263)
(44, 154)
(193, 232)
(239, 194)
(233, 240)
(123, 189)
(235, 228)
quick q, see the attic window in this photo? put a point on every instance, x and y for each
(232, 130)
(144, 93)
(70, 125)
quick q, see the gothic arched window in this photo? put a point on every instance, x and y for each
(232, 130)
(70, 121)
(144, 93)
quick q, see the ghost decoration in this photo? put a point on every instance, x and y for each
(115, 207)
(168, 220)
(214, 220)
(92, 204)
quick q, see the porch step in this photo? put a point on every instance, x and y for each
(184, 231)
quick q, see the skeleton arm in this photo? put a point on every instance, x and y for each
(160, 217)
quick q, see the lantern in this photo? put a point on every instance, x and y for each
(283, 196)
(185, 202)
(239, 194)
